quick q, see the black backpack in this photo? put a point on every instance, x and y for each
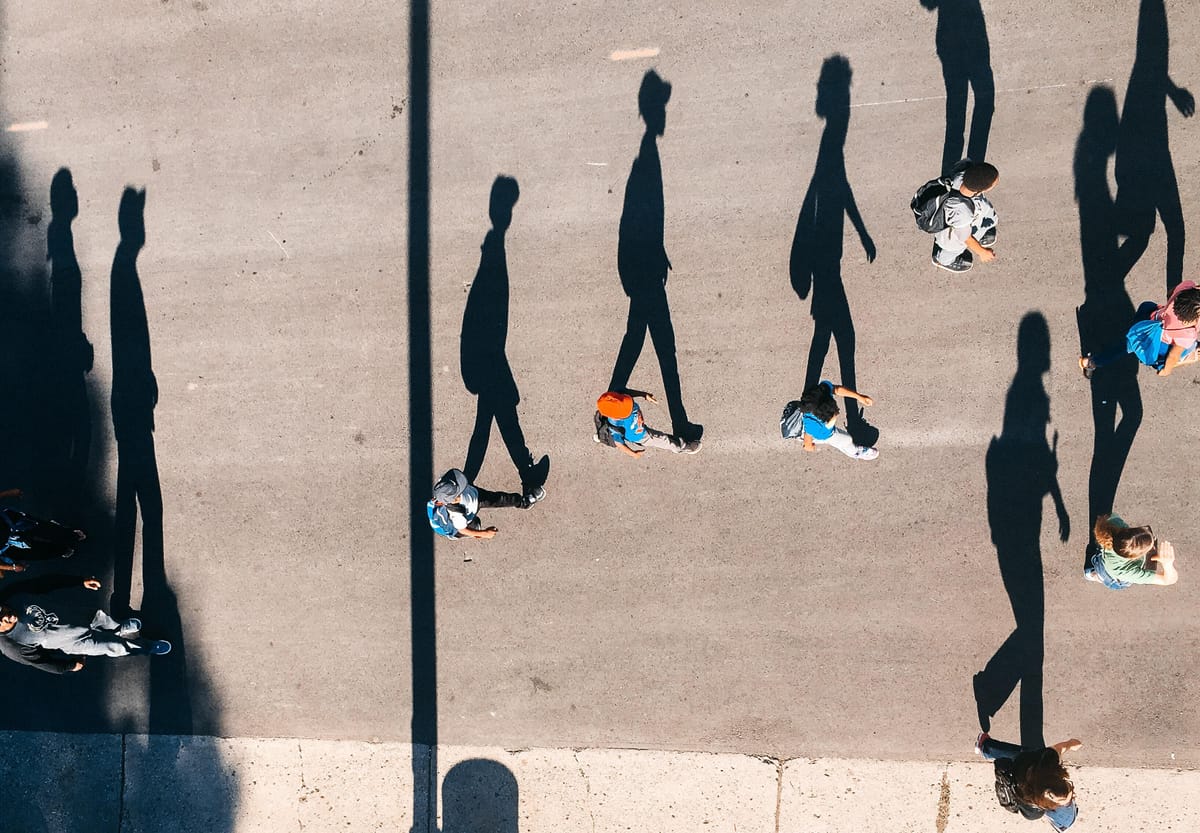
(791, 424)
(929, 204)
(1006, 792)
(603, 434)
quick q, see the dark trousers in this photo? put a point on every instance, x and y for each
(500, 500)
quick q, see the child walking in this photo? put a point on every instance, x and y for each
(1129, 555)
(818, 411)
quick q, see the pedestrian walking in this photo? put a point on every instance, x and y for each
(454, 508)
(1162, 337)
(33, 634)
(1128, 555)
(27, 538)
(813, 418)
(620, 424)
(961, 218)
(1033, 782)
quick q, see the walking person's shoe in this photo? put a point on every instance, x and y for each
(130, 628)
(690, 447)
(962, 263)
(1092, 575)
(158, 648)
(1088, 365)
(864, 453)
(989, 238)
(533, 497)
(979, 741)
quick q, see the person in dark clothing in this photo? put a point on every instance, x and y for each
(26, 538)
(642, 262)
(33, 635)
(1040, 784)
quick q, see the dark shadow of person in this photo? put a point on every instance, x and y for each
(1146, 182)
(816, 259)
(480, 796)
(1022, 468)
(642, 261)
(1107, 310)
(134, 397)
(482, 349)
(962, 47)
(70, 415)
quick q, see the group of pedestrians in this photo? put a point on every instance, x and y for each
(32, 631)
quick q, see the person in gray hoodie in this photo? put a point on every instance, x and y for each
(32, 634)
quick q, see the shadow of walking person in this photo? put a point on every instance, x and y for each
(134, 397)
(962, 47)
(816, 259)
(1146, 182)
(71, 412)
(643, 264)
(1107, 310)
(483, 358)
(1022, 468)
(480, 796)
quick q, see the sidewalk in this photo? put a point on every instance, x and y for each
(215, 785)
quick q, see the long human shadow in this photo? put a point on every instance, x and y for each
(1107, 309)
(1022, 469)
(962, 47)
(483, 353)
(816, 258)
(642, 261)
(1146, 181)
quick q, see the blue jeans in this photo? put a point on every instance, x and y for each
(1060, 818)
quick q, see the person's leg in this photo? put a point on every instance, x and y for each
(1121, 348)
(844, 443)
(1061, 818)
(50, 539)
(500, 500)
(983, 226)
(664, 441)
(991, 749)
(102, 643)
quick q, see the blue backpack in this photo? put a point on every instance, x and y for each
(1144, 340)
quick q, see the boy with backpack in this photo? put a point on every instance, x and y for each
(454, 508)
(1162, 337)
(963, 221)
(813, 418)
(619, 424)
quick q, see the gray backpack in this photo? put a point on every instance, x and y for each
(791, 424)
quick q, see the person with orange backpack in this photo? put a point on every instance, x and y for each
(619, 424)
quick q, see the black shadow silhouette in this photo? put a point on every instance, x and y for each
(642, 261)
(962, 47)
(816, 259)
(485, 368)
(1022, 468)
(480, 796)
(1107, 310)
(1146, 182)
(422, 584)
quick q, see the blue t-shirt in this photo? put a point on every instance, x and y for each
(631, 429)
(813, 426)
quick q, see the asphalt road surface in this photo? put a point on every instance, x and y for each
(751, 598)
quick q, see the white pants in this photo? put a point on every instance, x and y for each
(982, 222)
(841, 441)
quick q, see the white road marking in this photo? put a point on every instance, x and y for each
(998, 92)
(26, 126)
(631, 54)
(597, 164)
(280, 245)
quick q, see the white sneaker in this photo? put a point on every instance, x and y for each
(864, 453)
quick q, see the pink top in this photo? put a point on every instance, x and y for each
(1174, 330)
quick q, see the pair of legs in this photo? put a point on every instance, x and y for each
(955, 256)
(31, 538)
(666, 442)
(844, 443)
(106, 637)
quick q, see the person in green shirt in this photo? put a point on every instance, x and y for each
(1129, 555)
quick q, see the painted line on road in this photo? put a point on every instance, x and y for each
(597, 164)
(631, 54)
(998, 92)
(26, 126)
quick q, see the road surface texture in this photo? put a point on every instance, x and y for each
(751, 599)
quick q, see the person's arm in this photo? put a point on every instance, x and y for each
(809, 445)
(1173, 357)
(1165, 573)
(632, 452)
(7, 493)
(980, 251)
(482, 534)
(52, 662)
(840, 390)
(1064, 746)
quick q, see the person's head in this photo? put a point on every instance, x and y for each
(652, 102)
(8, 618)
(819, 402)
(1132, 542)
(833, 87)
(1045, 783)
(500, 205)
(614, 405)
(1186, 306)
(980, 177)
(450, 488)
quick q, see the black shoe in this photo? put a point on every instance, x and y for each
(533, 497)
(962, 263)
(989, 238)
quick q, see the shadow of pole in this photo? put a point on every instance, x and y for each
(1022, 469)
(816, 258)
(1146, 181)
(420, 427)
(1107, 310)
